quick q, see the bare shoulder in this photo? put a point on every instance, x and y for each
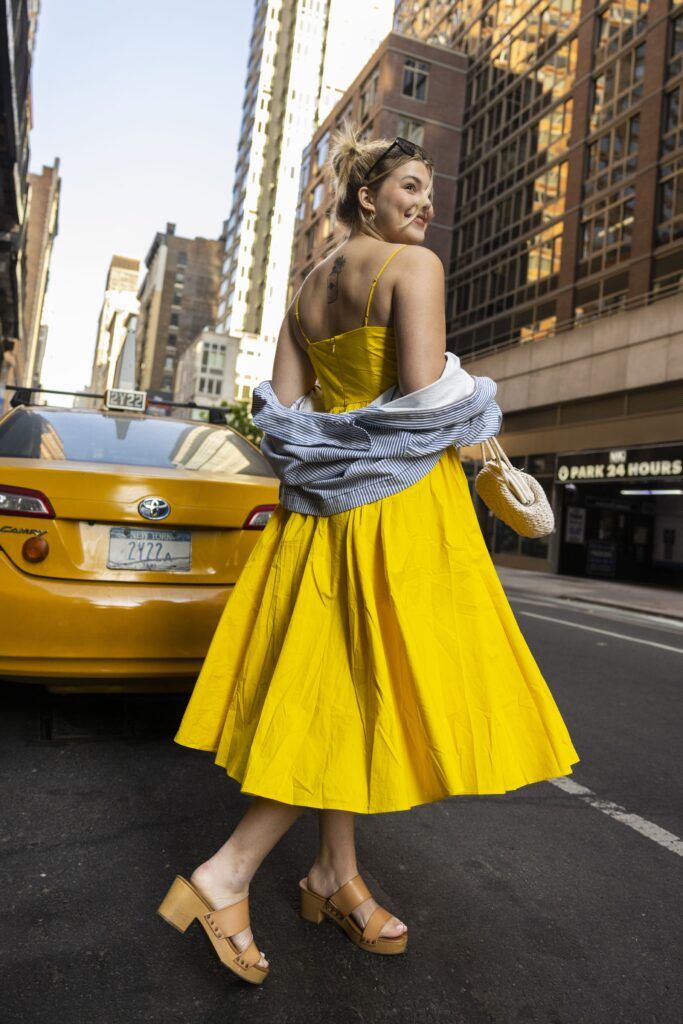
(418, 259)
(417, 265)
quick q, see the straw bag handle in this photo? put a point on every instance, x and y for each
(513, 477)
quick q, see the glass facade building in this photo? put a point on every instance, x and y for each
(565, 275)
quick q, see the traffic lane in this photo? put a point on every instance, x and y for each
(621, 702)
(530, 906)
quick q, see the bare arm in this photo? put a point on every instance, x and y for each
(293, 373)
(419, 313)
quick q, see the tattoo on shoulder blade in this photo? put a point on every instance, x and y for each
(333, 279)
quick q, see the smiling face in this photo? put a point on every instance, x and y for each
(402, 203)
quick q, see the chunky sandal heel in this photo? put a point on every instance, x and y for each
(183, 903)
(310, 907)
(179, 906)
(338, 908)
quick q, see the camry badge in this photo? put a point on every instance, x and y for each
(154, 508)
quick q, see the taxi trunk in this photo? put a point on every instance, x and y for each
(91, 587)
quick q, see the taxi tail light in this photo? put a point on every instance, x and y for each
(19, 501)
(35, 549)
(258, 517)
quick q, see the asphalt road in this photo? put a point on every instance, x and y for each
(549, 904)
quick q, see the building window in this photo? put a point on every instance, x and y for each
(172, 340)
(617, 26)
(309, 237)
(182, 259)
(408, 128)
(169, 363)
(618, 87)
(329, 221)
(345, 115)
(175, 319)
(606, 230)
(177, 298)
(368, 94)
(321, 150)
(415, 77)
(613, 156)
(317, 196)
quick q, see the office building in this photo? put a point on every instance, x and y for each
(206, 370)
(566, 264)
(125, 366)
(302, 57)
(178, 299)
(120, 300)
(42, 228)
(18, 20)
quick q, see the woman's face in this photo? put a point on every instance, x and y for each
(400, 196)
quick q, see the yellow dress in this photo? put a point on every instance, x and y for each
(369, 660)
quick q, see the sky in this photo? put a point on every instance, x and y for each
(141, 101)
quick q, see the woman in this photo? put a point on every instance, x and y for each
(367, 661)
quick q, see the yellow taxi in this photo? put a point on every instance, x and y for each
(121, 536)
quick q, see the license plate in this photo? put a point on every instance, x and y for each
(149, 550)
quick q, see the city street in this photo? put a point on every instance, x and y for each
(554, 904)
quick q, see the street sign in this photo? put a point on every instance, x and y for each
(662, 462)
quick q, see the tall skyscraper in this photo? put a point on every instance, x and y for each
(120, 299)
(302, 57)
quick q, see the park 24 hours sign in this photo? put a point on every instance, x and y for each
(664, 462)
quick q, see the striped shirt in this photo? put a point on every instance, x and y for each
(333, 462)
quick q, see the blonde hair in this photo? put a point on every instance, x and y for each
(351, 157)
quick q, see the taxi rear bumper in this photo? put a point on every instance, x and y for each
(85, 629)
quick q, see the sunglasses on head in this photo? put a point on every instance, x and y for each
(405, 145)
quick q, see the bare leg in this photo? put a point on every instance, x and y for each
(224, 878)
(335, 864)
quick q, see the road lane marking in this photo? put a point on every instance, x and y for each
(604, 632)
(646, 828)
(656, 622)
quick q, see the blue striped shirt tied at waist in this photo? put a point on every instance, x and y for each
(330, 462)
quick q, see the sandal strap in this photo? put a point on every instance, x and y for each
(249, 957)
(350, 895)
(230, 920)
(374, 924)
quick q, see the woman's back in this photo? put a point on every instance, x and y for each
(344, 293)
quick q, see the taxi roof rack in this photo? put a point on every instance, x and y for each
(22, 396)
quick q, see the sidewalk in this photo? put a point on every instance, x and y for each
(649, 600)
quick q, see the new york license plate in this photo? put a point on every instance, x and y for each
(149, 550)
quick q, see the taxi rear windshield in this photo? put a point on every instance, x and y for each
(117, 438)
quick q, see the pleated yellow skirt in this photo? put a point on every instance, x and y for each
(369, 661)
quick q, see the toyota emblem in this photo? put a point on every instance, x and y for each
(154, 508)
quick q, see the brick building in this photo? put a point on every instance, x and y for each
(178, 299)
(42, 228)
(407, 88)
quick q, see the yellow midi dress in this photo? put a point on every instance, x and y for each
(369, 660)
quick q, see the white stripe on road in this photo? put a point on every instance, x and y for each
(605, 632)
(646, 828)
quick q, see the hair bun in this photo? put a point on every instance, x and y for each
(345, 149)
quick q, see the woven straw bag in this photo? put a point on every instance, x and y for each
(513, 496)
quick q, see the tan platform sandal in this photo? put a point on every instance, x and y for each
(182, 904)
(338, 908)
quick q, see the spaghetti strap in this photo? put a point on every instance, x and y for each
(296, 314)
(376, 279)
